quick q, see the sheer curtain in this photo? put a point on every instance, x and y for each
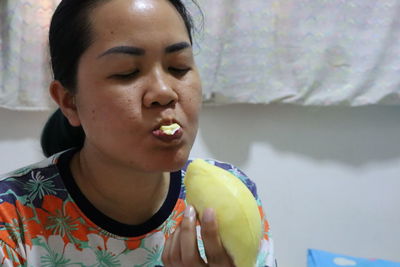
(24, 63)
(306, 52)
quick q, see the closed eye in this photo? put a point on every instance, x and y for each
(125, 76)
(179, 71)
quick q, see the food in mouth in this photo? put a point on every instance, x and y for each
(170, 129)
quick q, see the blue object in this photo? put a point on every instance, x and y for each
(319, 258)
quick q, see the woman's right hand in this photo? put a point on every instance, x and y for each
(181, 248)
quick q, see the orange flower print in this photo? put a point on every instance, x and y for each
(63, 219)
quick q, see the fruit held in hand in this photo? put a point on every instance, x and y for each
(237, 213)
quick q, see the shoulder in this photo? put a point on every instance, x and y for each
(43, 167)
(26, 170)
(29, 183)
(23, 193)
(237, 172)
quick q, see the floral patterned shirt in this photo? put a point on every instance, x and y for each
(46, 221)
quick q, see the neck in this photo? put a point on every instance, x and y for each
(123, 194)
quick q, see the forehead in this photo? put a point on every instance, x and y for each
(137, 21)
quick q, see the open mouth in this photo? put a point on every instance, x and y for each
(168, 133)
(170, 129)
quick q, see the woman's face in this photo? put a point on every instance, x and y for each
(137, 75)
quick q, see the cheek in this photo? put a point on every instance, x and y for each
(192, 107)
(103, 110)
(196, 99)
(193, 93)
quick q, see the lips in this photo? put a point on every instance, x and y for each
(168, 132)
(170, 129)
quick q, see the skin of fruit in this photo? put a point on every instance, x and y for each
(237, 213)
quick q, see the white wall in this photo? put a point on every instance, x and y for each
(19, 138)
(329, 177)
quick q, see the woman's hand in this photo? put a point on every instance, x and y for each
(181, 247)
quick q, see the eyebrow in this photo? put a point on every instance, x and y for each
(130, 50)
(136, 51)
(177, 47)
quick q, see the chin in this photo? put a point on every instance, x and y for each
(173, 162)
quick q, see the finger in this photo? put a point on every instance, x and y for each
(215, 252)
(188, 238)
(166, 252)
(175, 251)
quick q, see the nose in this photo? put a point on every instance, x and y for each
(159, 91)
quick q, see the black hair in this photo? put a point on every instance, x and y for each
(69, 37)
(59, 135)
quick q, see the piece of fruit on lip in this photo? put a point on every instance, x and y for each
(170, 129)
(238, 217)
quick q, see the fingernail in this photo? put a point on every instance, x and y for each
(189, 212)
(209, 215)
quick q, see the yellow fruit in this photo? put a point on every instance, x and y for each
(237, 213)
(170, 129)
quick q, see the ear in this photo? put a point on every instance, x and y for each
(66, 102)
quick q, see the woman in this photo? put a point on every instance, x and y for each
(111, 194)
